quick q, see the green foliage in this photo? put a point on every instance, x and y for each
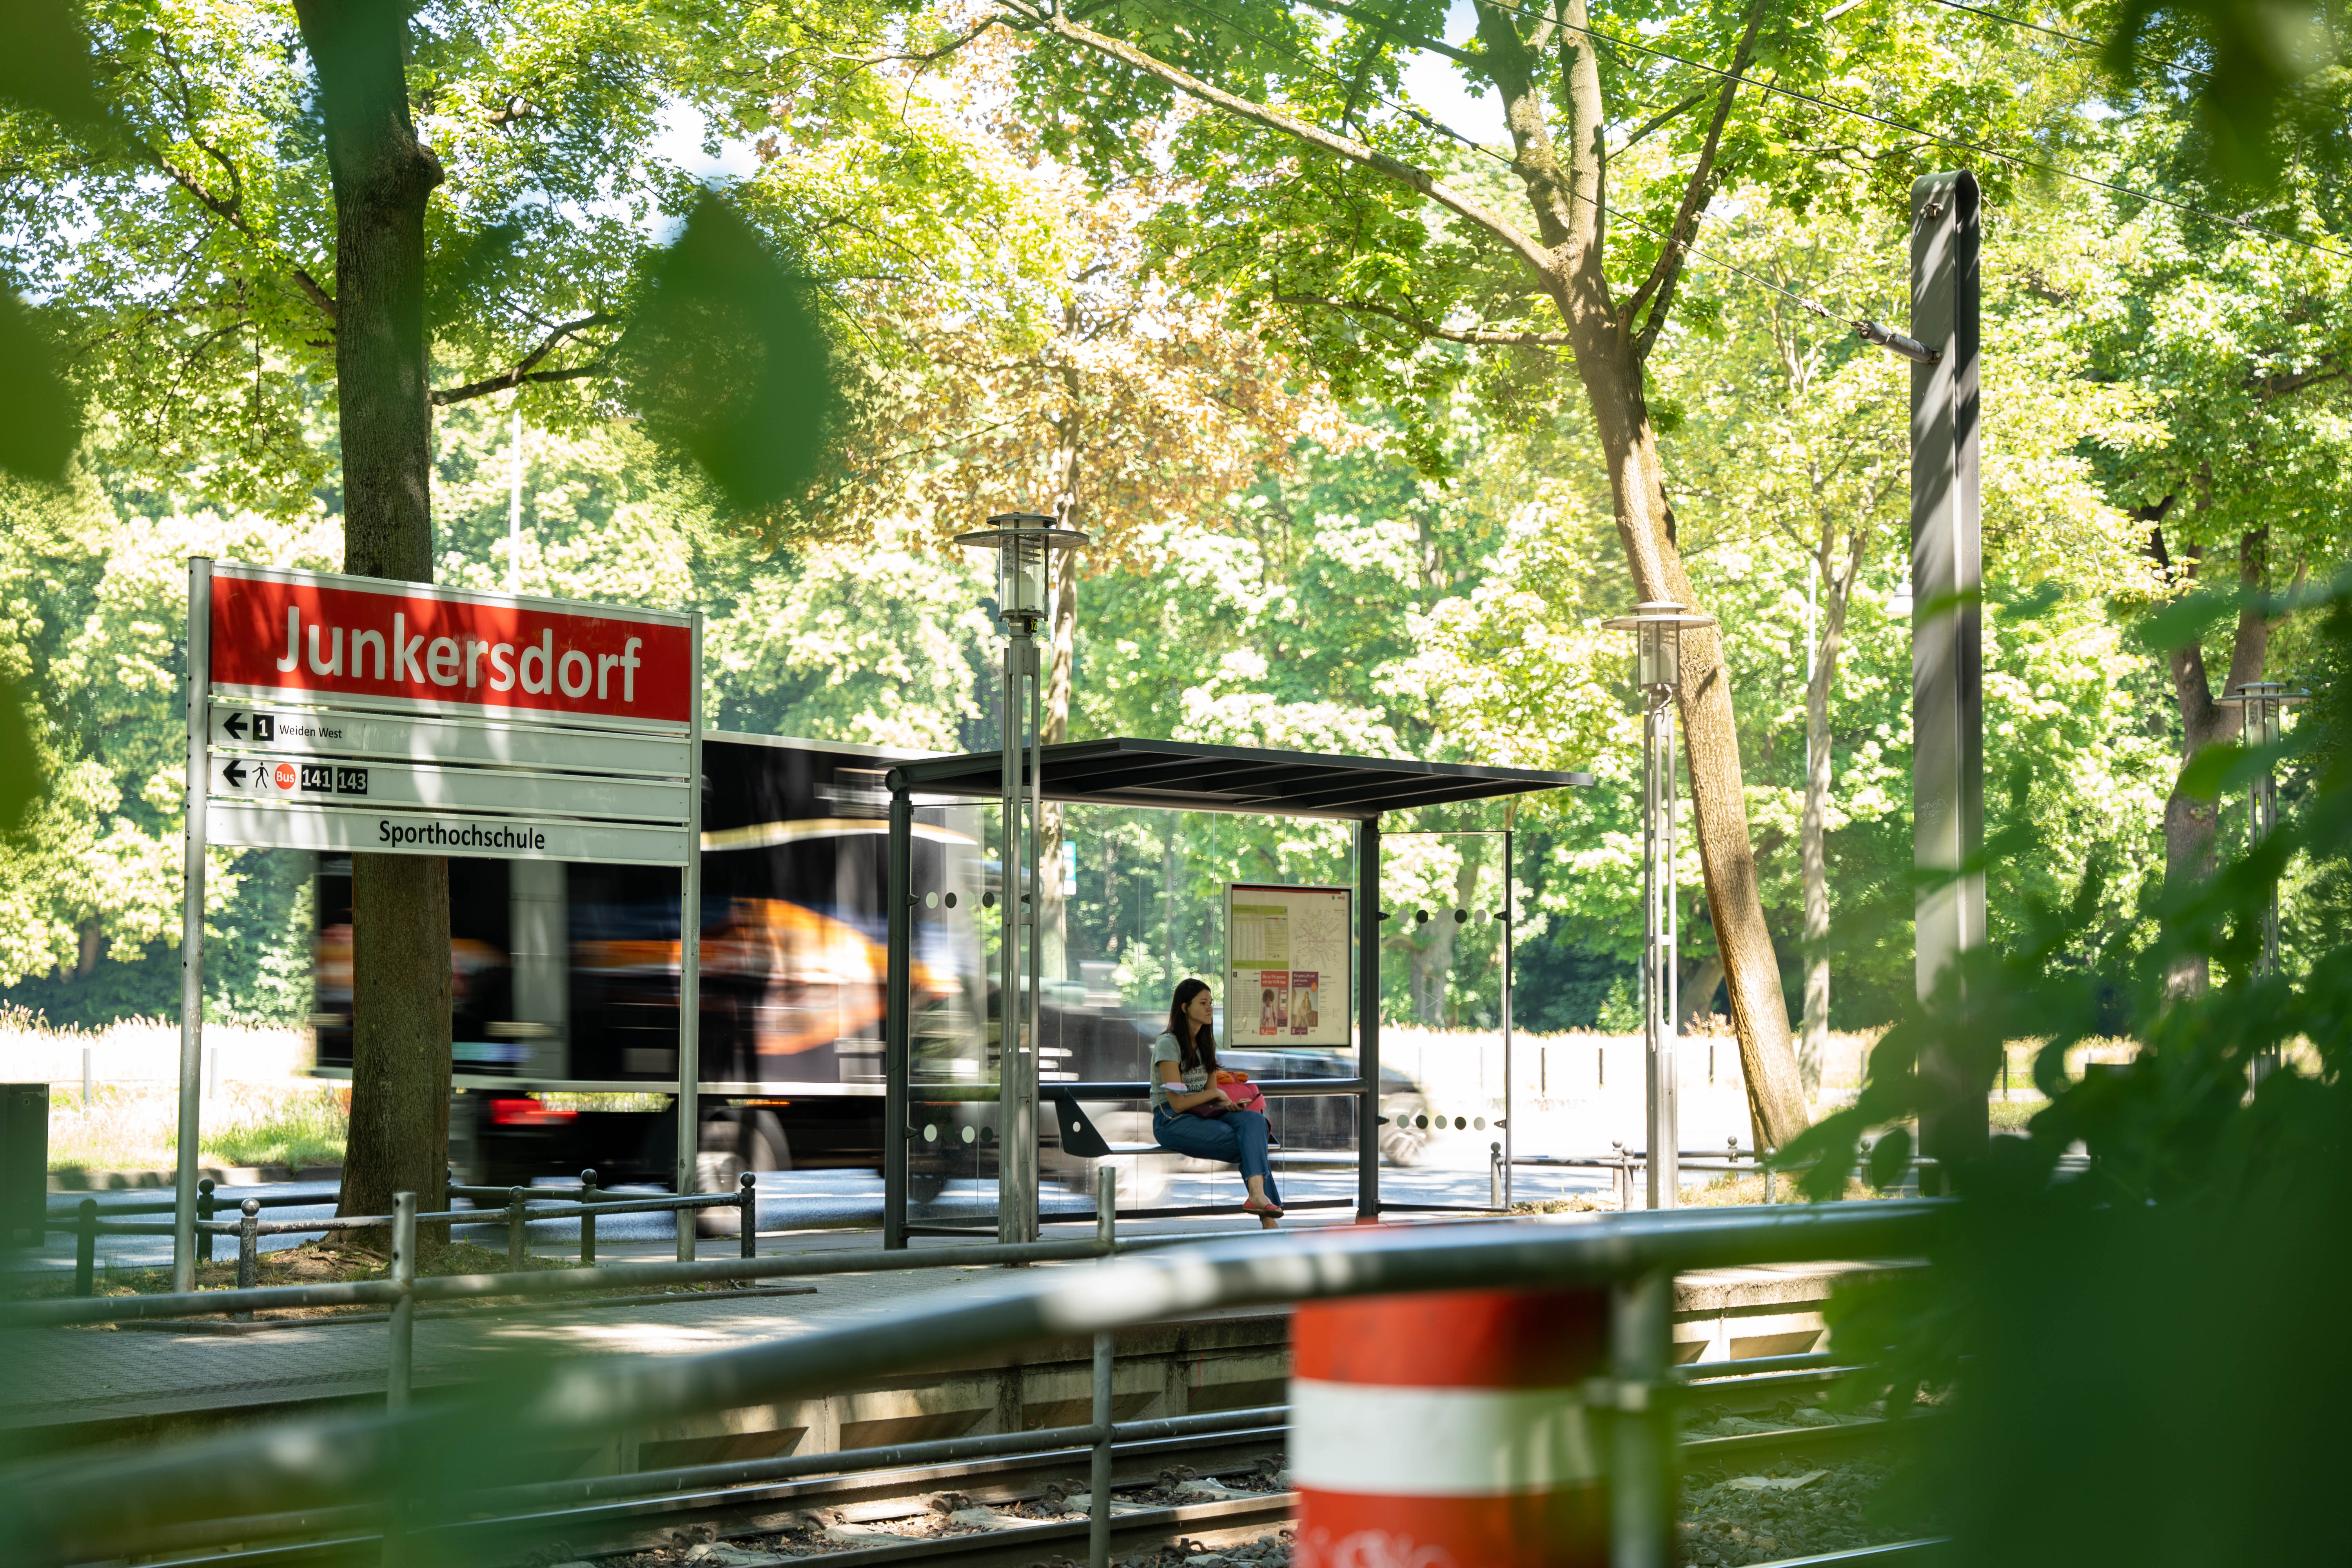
(2261, 81)
(20, 759)
(291, 1130)
(727, 360)
(187, 245)
(38, 422)
(2093, 1326)
(1358, 275)
(46, 66)
(89, 883)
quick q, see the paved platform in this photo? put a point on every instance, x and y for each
(73, 1387)
(78, 1385)
(1454, 1172)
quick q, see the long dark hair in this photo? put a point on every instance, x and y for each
(1192, 1053)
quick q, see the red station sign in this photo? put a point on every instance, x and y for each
(408, 646)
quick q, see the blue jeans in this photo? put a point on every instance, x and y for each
(1237, 1138)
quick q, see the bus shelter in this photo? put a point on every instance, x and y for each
(1168, 776)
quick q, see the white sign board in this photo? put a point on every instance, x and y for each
(410, 719)
(279, 730)
(1287, 973)
(350, 713)
(365, 784)
(446, 833)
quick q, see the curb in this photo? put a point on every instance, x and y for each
(222, 1175)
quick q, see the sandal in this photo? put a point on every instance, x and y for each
(1263, 1210)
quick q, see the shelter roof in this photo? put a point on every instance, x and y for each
(1180, 776)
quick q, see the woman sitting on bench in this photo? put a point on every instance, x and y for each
(1190, 1111)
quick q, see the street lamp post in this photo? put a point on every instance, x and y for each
(1657, 625)
(1025, 544)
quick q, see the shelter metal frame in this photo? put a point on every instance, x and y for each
(1178, 776)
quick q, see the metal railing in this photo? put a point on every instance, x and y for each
(65, 1509)
(517, 1207)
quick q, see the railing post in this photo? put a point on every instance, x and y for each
(515, 1222)
(85, 1245)
(587, 1218)
(1099, 1475)
(1641, 1508)
(1494, 1175)
(747, 1204)
(249, 1249)
(403, 1306)
(1368, 1019)
(205, 1205)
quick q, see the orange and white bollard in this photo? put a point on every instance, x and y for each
(1448, 1430)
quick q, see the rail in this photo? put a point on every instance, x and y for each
(517, 1207)
(75, 1509)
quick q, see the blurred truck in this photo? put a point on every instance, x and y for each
(565, 987)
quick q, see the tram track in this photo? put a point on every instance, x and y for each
(871, 1495)
(747, 1513)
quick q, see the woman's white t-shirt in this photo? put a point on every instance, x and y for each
(1166, 1049)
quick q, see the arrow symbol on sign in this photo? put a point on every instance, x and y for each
(236, 728)
(234, 774)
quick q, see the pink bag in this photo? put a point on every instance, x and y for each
(1245, 1094)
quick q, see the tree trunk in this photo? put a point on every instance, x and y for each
(1568, 198)
(2189, 824)
(1813, 848)
(1697, 990)
(1565, 191)
(382, 178)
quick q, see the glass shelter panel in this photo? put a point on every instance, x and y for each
(1442, 1004)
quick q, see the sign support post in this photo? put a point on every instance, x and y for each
(690, 971)
(191, 931)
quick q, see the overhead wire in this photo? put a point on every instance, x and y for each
(2093, 44)
(2060, 170)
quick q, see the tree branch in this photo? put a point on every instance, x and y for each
(523, 372)
(931, 56)
(1655, 120)
(1660, 284)
(228, 213)
(474, 389)
(1448, 334)
(1414, 178)
(2287, 384)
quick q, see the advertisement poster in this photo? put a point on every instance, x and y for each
(1287, 964)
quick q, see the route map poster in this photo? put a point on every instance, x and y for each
(1286, 952)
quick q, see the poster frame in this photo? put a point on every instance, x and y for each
(1233, 1039)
